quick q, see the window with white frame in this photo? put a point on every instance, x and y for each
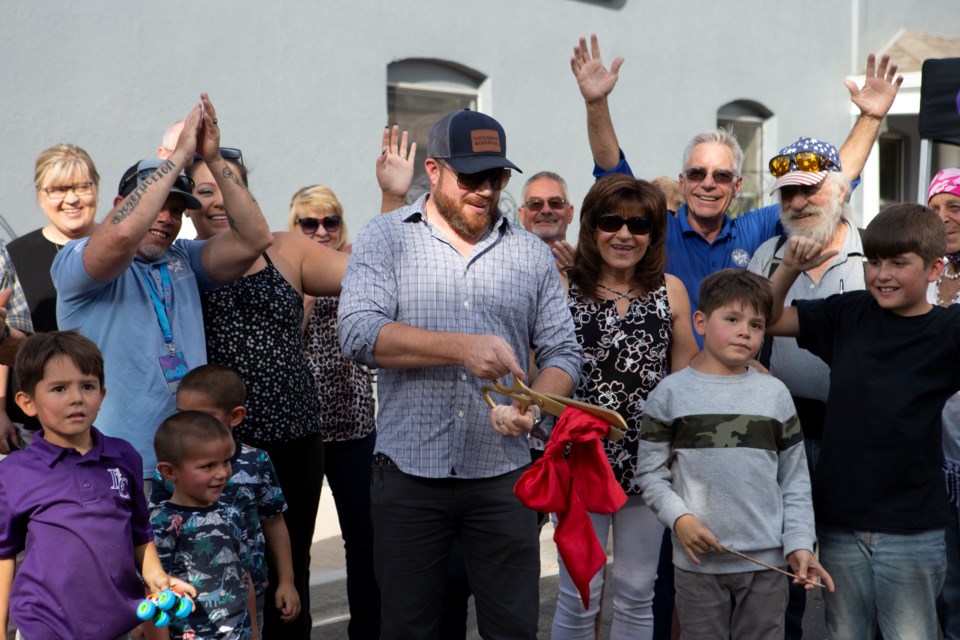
(419, 92)
(751, 123)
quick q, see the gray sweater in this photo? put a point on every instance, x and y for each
(729, 450)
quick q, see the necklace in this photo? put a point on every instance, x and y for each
(939, 301)
(622, 296)
(946, 273)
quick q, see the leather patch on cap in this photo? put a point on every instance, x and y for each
(485, 141)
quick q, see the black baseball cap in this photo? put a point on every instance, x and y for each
(470, 142)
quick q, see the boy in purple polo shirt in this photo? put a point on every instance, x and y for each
(74, 500)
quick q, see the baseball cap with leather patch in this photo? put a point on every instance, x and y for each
(470, 142)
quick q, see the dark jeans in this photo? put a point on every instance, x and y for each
(663, 591)
(299, 466)
(348, 473)
(415, 521)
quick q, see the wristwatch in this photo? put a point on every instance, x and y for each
(537, 415)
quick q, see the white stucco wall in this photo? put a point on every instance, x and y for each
(300, 86)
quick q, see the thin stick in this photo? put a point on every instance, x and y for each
(771, 567)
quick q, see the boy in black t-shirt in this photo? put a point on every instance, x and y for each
(879, 495)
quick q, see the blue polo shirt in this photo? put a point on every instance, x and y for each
(79, 519)
(119, 316)
(691, 258)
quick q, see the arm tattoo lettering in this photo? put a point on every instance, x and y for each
(131, 201)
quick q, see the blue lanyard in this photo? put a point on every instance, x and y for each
(162, 307)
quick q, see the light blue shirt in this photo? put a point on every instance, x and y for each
(433, 421)
(119, 317)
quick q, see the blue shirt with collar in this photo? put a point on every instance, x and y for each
(691, 258)
(120, 318)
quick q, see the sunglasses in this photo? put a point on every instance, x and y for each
(498, 178)
(536, 204)
(227, 153)
(720, 176)
(804, 161)
(611, 223)
(182, 183)
(311, 225)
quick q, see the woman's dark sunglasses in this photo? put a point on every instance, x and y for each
(311, 225)
(227, 153)
(611, 223)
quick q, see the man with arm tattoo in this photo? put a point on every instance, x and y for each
(134, 290)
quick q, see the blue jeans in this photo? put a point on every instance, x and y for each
(949, 601)
(886, 578)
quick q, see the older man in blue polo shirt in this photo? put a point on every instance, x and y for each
(134, 291)
(703, 238)
(443, 295)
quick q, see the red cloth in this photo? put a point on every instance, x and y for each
(571, 486)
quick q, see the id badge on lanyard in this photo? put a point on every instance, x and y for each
(173, 364)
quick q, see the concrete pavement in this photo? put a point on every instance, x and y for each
(329, 597)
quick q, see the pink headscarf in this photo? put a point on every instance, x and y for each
(946, 181)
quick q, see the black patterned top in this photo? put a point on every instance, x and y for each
(344, 388)
(623, 360)
(253, 325)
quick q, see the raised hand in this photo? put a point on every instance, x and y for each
(595, 81)
(803, 254)
(879, 89)
(395, 166)
(208, 141)
(190, 134)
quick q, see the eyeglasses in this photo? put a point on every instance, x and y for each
(498, 178)
(611, 223)
(59, 193)
(536, 204)
(227, 153)
(720, 176)
(312, 225)
(182, 183)
(804, 161)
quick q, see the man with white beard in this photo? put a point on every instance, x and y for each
(813, 203)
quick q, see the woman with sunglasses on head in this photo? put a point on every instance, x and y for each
(67, 185)
(943, 196)
(345, 392)
(632, 320)
(254, 325)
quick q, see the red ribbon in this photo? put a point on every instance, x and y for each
(571, 486)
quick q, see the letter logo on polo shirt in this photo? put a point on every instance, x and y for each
(119, 483)
(485, 141)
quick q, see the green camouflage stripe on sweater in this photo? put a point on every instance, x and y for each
(718, 431)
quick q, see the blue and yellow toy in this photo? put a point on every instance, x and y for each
(161, 608)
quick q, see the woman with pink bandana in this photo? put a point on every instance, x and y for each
(943, 196)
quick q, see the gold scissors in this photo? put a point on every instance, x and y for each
(554, 405)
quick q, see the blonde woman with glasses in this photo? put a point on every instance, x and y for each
(67, 185)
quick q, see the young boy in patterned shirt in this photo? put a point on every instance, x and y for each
(219, 391)
(199, 539)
